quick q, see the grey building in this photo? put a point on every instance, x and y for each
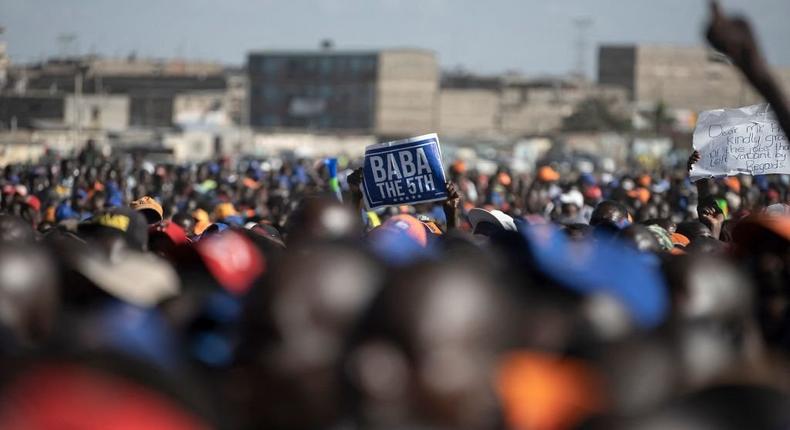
(390, 93)
(682, 77)
(150, 85)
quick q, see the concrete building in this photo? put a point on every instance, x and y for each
(97, 111)
(515, 106)
(391, 93)
(44, 110)
(681, 77)
(201, 109)
(4, 63)
(469, 112)
(150, 85)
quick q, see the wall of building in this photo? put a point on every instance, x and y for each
(97, 111)
(201, 109)
(407, 93)
(25, 111)
(468, 111)
(682, 77)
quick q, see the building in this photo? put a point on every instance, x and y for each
(390, 93)
(512, 106)
(151, 85)
(42, 109)
(681, 77)
(4, 63)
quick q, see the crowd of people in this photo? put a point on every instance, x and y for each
(247, 295)
(262, 294)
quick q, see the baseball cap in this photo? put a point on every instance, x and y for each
(573, 197)
(747, 229)
(232, 260)
(33, 202)
(149, 207)
(134, 277)
(608, 267)
(544, 391)
(679, 239)
(169, 230)
(128, 222)
(66, 395)
(408, 225)
(547, 174)
(265, 230)
(495, 217)
(662, 236)
(225, 210)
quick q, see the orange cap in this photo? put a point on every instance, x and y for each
(148, 205)
(459, 166)
(545, 392)
(679, 239)
(200, 215)
(641, 194)
(547, 174)
(224, 210)
(201, 226)
(733, 183)
(410, 226)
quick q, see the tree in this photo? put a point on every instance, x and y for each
(593, 114)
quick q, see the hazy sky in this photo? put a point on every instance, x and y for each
(530, 36)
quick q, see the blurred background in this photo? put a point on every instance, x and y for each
(582, 84)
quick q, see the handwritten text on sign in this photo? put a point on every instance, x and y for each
(746, 140)
(406, 171)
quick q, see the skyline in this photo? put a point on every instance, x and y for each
(499, 36)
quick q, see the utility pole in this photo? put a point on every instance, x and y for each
(581, 26)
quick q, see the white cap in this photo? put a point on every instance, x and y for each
(496, 217)
(573, 197)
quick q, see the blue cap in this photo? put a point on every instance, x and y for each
(217, 227)
(64, 211)
(608, 267)
(587, 179)
(135, 332)
(233, 220)
(395, 247)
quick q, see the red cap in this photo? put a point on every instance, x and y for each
(232, 259)
(67, 396)
(172, 230)
(33, 202)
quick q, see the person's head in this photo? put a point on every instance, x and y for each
(185, 221)
(640, 238)
(425, 351)
(150, 208)
(295, 330)
(321, 218)
(28, 291)
(578, 231)
(609, 212)
(487, 223)
(693, 230)
(15, 229)
(762, 246)
(117, 227)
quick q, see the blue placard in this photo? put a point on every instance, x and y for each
(404, 172)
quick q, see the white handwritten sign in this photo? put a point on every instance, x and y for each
(745, 140)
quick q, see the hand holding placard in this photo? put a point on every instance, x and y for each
(745, 140)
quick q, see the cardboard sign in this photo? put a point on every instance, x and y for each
(404, 172)
(745, 140)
